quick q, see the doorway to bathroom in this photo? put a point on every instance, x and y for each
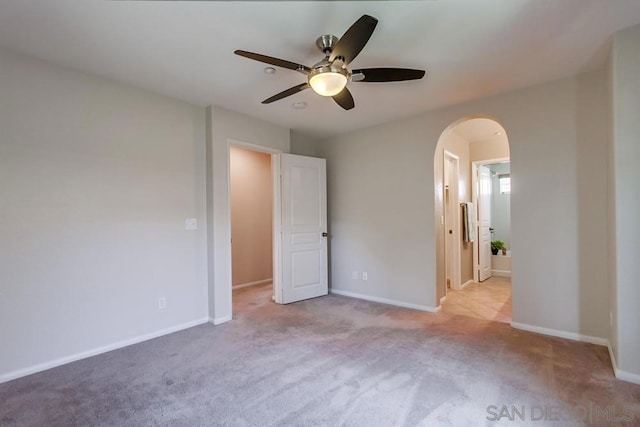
(492, 251)
(471, 163)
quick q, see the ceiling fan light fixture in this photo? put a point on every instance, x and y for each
(328, 83)
(330, 76)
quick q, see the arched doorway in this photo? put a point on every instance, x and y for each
(470, 162)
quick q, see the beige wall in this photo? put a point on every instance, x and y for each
(458, 146)
(97, 179)
(625, 176)
(381, 204)
(223, 128)
(303, 144)
(611, 215)
(251, 215)
(490, 149)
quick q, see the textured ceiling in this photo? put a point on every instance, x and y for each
(184, 49)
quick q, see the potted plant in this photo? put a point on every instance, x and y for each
(496, 245)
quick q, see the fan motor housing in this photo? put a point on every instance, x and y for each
(329, 69)
(326, 43)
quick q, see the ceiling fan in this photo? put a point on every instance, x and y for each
(330, 76)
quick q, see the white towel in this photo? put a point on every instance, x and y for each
(468, 221)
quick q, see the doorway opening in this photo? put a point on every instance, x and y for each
(492, 251)
(471, 158)
(251, 212)
(277, 224)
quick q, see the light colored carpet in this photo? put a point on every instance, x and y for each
(328, 361)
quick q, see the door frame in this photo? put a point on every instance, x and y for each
(456, 253)
(474, 200)
(276, 214)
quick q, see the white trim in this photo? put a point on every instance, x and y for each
(560, 334)
(621, 375)
(627, 376)
(385, 301)
(442, 300)
(465, 284)
(96, 351)
(614, 365)
(276, 226)
(220, 320)
(501, 273)
(253, 147)
(256, 283)
(228, 249)
(474, 200)
(456, 253)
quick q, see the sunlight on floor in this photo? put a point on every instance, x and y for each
(488, 300)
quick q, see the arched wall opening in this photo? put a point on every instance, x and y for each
(462, 147)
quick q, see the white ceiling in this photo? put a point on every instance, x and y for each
(480, 129)
(470, 49)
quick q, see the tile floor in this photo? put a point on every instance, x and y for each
(488, 300)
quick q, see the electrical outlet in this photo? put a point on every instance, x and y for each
(365, 276)
(354, 275)
(162, 303)
(191, 224)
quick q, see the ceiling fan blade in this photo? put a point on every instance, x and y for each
(354, 40)
(387, 74)
(344, 99)
(288, 92)
(273, 61)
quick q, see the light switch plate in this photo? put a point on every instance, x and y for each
(191, 224)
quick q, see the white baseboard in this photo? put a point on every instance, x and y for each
(462, 286)
(627, 376)
(560, 334)
(501, 273)
(621, 375)
(220, 320)
(467, 283)
(385, 301)
(96, 351)
(442, 300)
(256, 283)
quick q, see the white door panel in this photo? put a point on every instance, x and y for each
(304, 227)
(484, 223)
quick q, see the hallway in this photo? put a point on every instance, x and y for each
(488, 300)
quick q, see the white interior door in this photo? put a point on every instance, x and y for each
(304, 228)
(484, 223)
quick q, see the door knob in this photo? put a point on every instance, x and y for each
(324, 234)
